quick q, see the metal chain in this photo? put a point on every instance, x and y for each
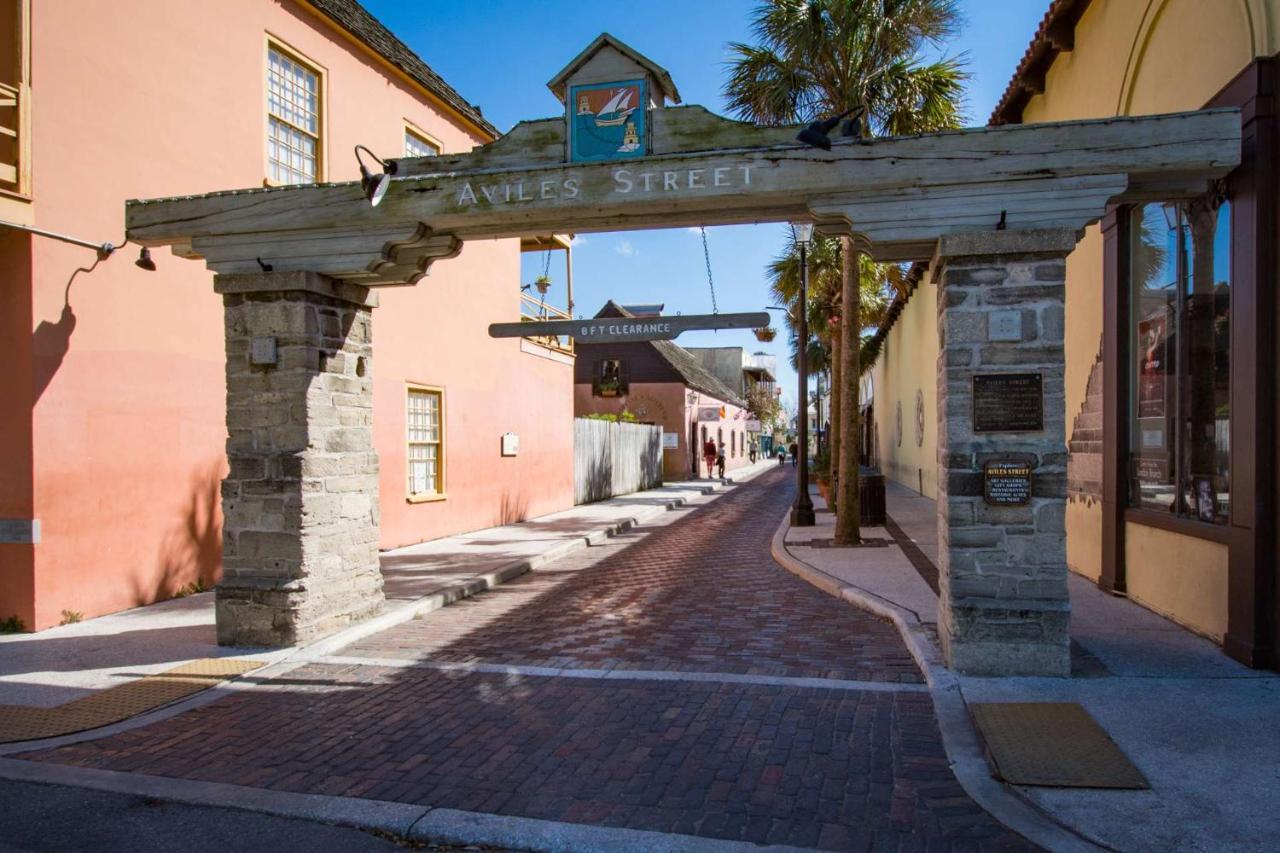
(546, 262)
(706, 254)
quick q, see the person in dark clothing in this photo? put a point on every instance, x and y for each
(709, 454)
(795, 453)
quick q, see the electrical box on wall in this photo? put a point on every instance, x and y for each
(510, 444)
(263, 351)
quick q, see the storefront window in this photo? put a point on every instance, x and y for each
(1180, 408)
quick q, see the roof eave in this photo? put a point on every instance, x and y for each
(1055, 34)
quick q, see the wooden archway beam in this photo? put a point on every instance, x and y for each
(899, 194)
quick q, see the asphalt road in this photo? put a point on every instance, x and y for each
(53, 818)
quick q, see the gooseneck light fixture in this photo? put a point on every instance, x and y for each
(104, 250)
(818, 133)
(375, 184)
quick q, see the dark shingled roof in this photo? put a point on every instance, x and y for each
(357, 21)
(1055, 34)
(682, 362)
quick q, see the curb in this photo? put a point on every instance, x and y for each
(415, 823)
(963, 746)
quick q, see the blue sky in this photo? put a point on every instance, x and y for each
(500, 53)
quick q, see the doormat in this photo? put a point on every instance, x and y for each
(831, 543)
(104, 707)
(1053, 745)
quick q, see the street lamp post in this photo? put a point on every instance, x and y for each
(802, 512)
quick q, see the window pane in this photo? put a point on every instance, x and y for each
(423, 434)
(293, 123)
(1153, 270)
(1180, 407)
(416, 146)
(1207, 413)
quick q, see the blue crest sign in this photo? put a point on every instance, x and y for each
(608, 121)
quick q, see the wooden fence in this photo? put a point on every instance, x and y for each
(612, 459)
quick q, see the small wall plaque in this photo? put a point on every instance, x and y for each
(1006, 483)
(263, 351)
(510, 444)
(671, 441)
(1008, 402)
(1004, 326)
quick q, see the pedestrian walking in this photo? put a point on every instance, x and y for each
(752, 453)
(795, 453)
(720, 462)
(709, 454)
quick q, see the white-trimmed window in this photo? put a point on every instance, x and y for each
(418, 144)
(425, 438)
(293, 119)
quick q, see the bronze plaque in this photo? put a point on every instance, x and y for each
(1008, 402)
(1006, 483)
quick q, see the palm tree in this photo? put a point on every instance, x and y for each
(878, 285)
(817, 58)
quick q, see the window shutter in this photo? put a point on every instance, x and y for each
(624, 375)
(595, 378)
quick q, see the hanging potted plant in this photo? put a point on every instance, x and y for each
(543, 283)
(765, 334)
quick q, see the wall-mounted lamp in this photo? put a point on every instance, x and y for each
(375, 184)
(818, 133)
(144, 260)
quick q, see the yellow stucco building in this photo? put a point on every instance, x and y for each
(1170, 325)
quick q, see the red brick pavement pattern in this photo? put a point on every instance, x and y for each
(698, 594)
(835, 769)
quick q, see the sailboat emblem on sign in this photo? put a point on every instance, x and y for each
(608, 120)
(617, 110)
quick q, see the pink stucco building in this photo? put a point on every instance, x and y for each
(112, 442)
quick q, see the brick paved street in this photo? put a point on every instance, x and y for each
(694, 600)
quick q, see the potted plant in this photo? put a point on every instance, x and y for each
(543, 283)
(765, 334)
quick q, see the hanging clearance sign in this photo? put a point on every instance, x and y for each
(599, 330)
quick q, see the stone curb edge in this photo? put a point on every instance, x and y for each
(960, 739)
(404, 820)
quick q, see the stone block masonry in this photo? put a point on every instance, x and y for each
(1003, 607)
(300, 502)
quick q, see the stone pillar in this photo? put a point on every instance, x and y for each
(1003, 608)
(300, 503)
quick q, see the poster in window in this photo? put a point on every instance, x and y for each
(1153, 366)
(1205, 499)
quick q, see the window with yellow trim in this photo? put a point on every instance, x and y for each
(425, 435)
(293, 119)
(15, 104)
(418, 145)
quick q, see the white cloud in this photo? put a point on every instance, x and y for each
(578, 240)
(695, 231)
(625, 249)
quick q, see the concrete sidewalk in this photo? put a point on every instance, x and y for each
(1200, 726)
(65, 663)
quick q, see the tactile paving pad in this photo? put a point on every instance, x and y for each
(104, 707)
(1052, 744)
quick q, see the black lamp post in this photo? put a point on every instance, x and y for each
(802, 513)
